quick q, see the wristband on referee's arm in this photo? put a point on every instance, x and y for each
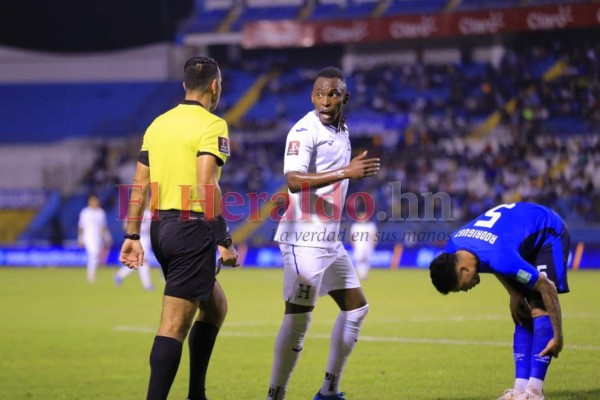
(132, 236)
(221, 231)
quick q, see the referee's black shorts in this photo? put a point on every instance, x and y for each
(186, 250)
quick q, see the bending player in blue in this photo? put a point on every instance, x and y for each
(526, 246)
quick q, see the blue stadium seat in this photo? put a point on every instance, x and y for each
(236, 83)
(348, 10)
(472, 5)
(325, 11)
(398, 7)
(275, 13)
(263, 110)
(207, 17)
(105, 109)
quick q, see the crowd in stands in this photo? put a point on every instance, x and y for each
(546, 149)
(561, 172)
(545, 146)
(423, 121)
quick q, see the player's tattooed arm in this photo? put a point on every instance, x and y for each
(550, 297)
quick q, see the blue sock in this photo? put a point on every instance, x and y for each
(542, 333)
(522, 343)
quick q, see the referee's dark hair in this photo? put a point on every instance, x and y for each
(442, 271)
(199, 72)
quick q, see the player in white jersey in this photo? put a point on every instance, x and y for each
(363, 237)
(93, 235)
(317, 167)
(144, 269)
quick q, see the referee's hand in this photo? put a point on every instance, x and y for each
(229, 256)
(132, 254)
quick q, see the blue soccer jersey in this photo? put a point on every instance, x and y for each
(518, 241)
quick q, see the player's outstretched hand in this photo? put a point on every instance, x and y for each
(361, 167)
(132, 254)
(229, 256)
(553, 348)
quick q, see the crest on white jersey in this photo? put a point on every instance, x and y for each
(293, 148)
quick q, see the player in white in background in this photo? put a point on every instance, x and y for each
(317, 167)
(363, 237)
(93, 234)
(144, 269)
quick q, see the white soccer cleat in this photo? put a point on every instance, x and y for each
(511, 394)
(527, 395)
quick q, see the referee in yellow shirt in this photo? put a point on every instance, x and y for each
(182, 154)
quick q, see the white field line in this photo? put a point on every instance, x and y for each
(457, 318)
(475, 318)
(136, 329)
(377, 339)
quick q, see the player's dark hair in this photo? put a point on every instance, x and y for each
(199, 72)
(443, 272)
(331, 72)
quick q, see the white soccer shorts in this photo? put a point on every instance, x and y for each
(310, 272)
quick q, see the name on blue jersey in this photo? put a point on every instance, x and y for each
(477, 234)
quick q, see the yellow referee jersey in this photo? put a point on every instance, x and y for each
(173, 141)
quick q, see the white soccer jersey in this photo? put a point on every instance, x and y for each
(93, 223)
(313, 215)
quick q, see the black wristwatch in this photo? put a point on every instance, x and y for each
(225, 242)
(131, 236)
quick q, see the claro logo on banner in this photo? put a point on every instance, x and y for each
(424, 27)
(492, 23)
(550, 20)
(357, 32)
(303, 34)
(278, 34)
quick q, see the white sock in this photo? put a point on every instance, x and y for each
(288, 346)
(92, 266)
(362, 270)
(144, 271)
(123, 272)
(535, 385)
(343, 339)
(520, 384)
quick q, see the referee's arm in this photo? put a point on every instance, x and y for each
(132, 253)
(209, 191)
(138, 198)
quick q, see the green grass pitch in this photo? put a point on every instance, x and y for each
(61, 338)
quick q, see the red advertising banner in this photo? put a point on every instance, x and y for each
(306, 34)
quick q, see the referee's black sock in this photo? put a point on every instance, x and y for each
(164, 362)
(201, 342)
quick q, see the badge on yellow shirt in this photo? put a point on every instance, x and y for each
(224, 145)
